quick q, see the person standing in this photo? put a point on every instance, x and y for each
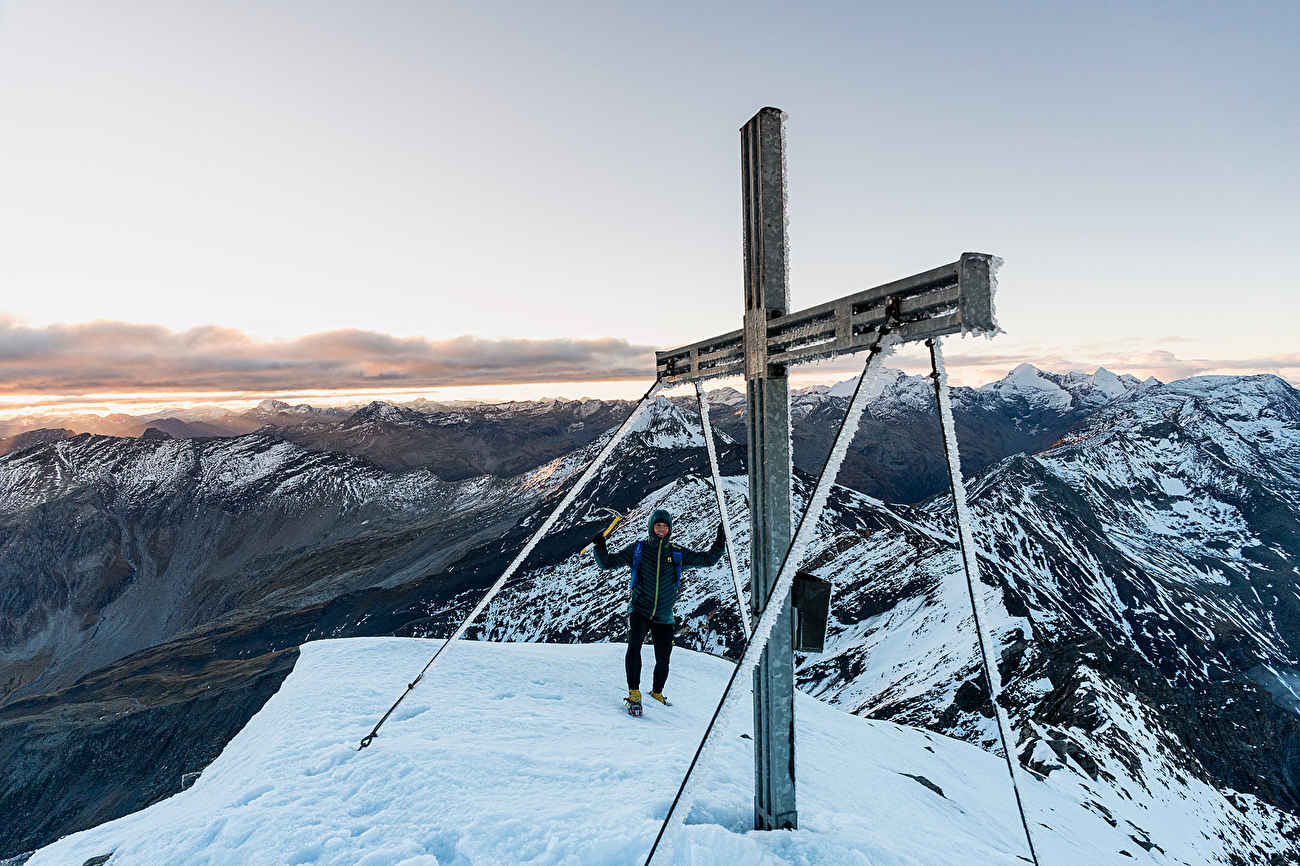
(657, 564)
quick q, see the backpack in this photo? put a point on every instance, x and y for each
(639, 550)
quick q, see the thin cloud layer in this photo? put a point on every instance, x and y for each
(122, 357)
(973, 363)
(1158, 363)
(45, 364)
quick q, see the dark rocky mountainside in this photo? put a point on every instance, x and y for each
(175, 428)
(32, 438)
(490, 439)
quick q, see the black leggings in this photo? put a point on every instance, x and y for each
(662, 634)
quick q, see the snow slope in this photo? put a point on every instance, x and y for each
(519, 753)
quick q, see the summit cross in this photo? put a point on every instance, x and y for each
(952, 298)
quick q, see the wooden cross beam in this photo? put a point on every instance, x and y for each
(949, 299)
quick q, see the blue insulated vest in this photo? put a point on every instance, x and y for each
(657, 601)
(639, 551)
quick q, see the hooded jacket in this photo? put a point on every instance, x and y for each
(654, 587)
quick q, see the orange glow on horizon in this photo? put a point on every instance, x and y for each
(913, 361)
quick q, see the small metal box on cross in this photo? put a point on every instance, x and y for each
(956, 297)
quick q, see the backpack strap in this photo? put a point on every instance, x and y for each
(638, 550)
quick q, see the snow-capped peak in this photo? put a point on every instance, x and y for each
(845, 388)
(666, 425)
(380, 411)
(1026, 382)
(275, 407)
(1109, 384)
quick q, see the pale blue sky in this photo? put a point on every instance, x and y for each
(571, 170)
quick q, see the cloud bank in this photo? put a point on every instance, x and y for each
(41, 365)
(123, 357)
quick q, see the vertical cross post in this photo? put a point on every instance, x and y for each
(767, 295)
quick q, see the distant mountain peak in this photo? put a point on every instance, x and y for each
(272, 407)
(379, 411)
(155, 433)
(726, 396)
(666, 425)
(1027, 382)
(1110, 384)
(28, 438)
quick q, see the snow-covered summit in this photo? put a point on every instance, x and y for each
(727, 397)
(276, 407)
(379, 411)
(1027, 383)
(1025, 389)
(1060, 391)
(520, 753)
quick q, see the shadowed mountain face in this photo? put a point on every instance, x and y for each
(1140, 575)
(500, 440)
(32, 438)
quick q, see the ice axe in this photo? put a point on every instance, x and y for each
(617, 517)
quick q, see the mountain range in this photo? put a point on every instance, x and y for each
(1140, 544)
(897, 455)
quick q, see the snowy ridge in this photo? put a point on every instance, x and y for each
(520, 753)
(1255, 420)
(254, 468)
(1025, 389)
(251, 467)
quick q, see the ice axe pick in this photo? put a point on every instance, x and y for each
(617, 517)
